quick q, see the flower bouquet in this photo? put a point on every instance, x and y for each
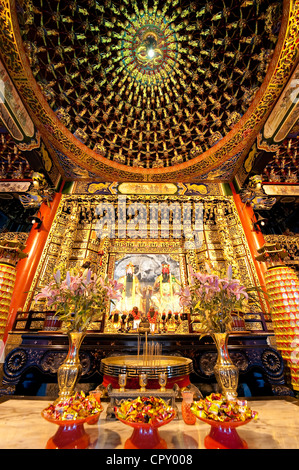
(79, 298)
(213, 299)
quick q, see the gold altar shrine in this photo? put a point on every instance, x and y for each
(79, 233)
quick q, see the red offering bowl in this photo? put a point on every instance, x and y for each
(71, 433)
(145, 435)
(223, 434)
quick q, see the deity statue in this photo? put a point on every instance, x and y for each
(136, 317)
(146, 298)
(114, 321)
(131, 292)
(152, 318)
(165, 288)
(171, 324)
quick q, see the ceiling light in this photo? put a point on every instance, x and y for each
(259, 222)
(151, 53)
(34, 219)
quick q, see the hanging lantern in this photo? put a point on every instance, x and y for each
(10, 253)
(282, 286)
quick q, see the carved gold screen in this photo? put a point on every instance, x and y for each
(74, 237)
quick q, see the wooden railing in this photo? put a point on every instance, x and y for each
(29, 321)
(38, 320)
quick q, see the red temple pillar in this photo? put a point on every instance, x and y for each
(254, 238)
(26, 267)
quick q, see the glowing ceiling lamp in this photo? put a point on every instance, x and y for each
(150, 53)
(150, 46)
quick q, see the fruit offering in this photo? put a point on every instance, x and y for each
(144, 410)
(77, 406)
(217, 408)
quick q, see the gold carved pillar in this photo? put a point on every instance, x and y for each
(191, 261)
(69, 236)
(221, 219)
(104, 256)
(190, 249)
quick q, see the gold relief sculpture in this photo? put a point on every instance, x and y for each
(200, 188)
(94, 187)
(69, 235)
(103, 262)
(289, 242)
(229, 255)
(212, 237)
(216, 255)
(255, 326)
(54, 250)
(147, 188)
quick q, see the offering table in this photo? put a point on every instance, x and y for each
(33, 359)
(22, 427)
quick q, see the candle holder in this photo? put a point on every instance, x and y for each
(187, 414)
(122, 381)
(143, 382)
(162, 381)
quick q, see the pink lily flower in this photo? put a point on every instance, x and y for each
(185, 297)
(116, 285)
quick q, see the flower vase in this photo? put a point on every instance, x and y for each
(70, 370)
(226, 373)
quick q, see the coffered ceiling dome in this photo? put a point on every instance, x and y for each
(149, 87)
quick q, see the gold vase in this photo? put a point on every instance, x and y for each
(70, 370)
(226, 373)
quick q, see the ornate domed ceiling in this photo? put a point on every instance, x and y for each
(145, 90)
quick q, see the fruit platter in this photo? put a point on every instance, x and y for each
(70, 415)
(145, 415)
(224, 417)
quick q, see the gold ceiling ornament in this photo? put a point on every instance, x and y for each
(177, 159)
(14, 165)
(282, 166)
(89, 62)
(100, 149)
(119, 158)
(158, 163)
